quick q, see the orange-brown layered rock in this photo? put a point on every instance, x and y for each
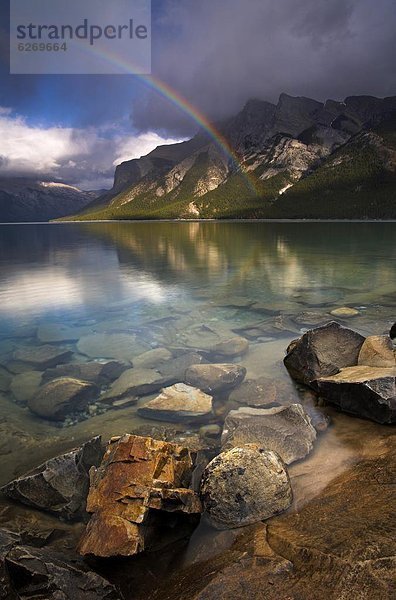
(139, 482)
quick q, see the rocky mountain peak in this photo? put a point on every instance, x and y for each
(294, 114)
(369, 109)
(250, 126)
(283, 147)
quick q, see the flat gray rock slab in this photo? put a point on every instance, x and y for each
(286, 430)
(179, 402)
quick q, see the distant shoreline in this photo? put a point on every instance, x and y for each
(204, 221)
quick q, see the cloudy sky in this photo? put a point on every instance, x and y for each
(217, 54)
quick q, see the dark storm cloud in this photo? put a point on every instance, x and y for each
(219, 53)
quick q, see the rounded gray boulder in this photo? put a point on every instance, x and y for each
(245, 485)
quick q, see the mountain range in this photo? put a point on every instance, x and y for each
(299, 158)
(25, 200)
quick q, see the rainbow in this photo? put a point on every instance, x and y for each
(187, 107)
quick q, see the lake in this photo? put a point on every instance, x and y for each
(183, 287)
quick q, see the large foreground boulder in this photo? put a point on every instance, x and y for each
(60, 485)
(60, 397)
(30, 573)
(323, 351)
(139, 484)
(286, 430)
(368, 392)
(179, 402)
(243, 486)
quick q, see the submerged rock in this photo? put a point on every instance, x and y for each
(199, 337)
(139, 482)
(152, 359)
(56, 399)
(319, 418)
(368, 392)
(215, 378)
(210, 431)
(5, 380)
(236, 346)
(243, 486)
(57, 332)
(318, 297)
(99, 372)
(235, 302)
(27, 573)
(344, 312)
(25, 385)
(121, 346)
(311, 318)
(60, 485)
(175, 369)
(133, 383)
(323, 351)
(377, 351)
(286, 430)
(178, 403)
(257, 393)
(42, 357)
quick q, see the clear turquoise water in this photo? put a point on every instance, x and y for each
(68, 271)
(183, 286)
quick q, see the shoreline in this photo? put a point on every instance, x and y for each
(202, 221)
